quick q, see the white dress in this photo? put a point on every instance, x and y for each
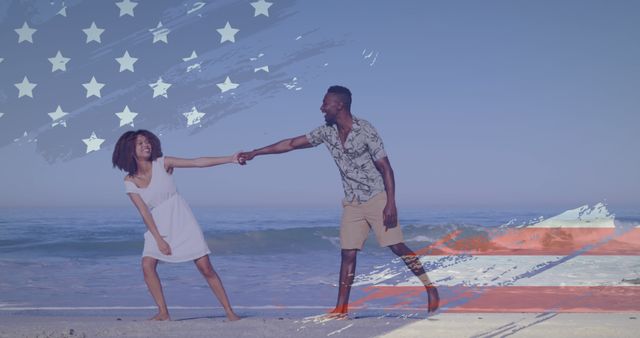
(172, 216)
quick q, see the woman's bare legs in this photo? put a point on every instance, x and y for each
(205, 267)
(149, 266)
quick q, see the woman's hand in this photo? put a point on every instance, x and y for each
(235, 158)
(164, 247)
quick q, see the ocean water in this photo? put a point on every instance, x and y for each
(267, 258)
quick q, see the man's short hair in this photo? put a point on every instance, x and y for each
(343, 93)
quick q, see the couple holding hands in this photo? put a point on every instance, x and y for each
(174, 235)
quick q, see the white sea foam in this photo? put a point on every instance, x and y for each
(597, 216)
(420, 238)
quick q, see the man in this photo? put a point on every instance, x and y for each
(369, 189)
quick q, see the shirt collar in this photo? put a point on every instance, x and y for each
(356, 123)
(354, 126)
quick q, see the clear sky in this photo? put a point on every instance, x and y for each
(484, 104)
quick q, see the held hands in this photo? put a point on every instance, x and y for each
(235, 158)
(390, 216)
(243, 157)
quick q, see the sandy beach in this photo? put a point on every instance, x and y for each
(190, 324)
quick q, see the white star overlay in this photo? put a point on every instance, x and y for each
(193, 116)
(126, 7)
(227, 33)
(25, 88)
(160, 88)
(63, 23)
(93, 33)
(126, 116)
(126, 62)
(62, 12)
(191, 57)
(261, 7)
(93, 142)
(56, 116)
(25, 33)
(93, 87)
(59, 62)
(227, 85)
(160, 33)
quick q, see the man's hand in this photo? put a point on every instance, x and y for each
(390, 216)
(245, 156)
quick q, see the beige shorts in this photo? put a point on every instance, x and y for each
(357, 219)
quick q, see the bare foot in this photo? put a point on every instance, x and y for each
(433, 297)
(232, 317)
(161, 317)
(337, 314)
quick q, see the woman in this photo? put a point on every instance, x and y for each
(173, 233)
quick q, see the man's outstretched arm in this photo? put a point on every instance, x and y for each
(299, 142)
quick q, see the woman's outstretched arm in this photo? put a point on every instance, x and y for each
(200, 162)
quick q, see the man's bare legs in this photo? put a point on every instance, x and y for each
(348, 269)
(347, 273)
(149, 266)
(205, 267)
(413, 263)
